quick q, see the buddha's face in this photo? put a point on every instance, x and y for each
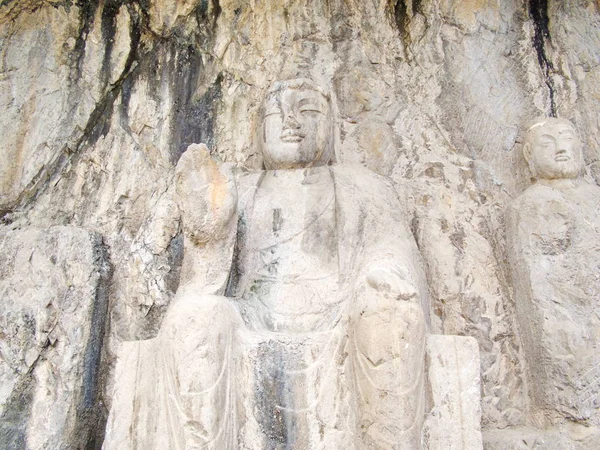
(553, 150)
(296, 129)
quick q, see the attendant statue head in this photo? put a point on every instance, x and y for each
(553, 149)
(297, 128)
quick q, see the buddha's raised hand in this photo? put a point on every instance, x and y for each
(207, 195)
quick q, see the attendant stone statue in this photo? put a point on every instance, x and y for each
(553, 232)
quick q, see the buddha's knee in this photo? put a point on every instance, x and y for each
(201, 326)
(391, 330)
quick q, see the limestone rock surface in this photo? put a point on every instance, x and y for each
(101, 98)
(54, 288)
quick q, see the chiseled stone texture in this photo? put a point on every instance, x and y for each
(54, 294)
(454, 420)
(100, 98)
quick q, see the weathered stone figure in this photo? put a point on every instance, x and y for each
(554, 242)
(301, 317)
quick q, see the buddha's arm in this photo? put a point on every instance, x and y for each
(207, 199)
(207, 196)
(391, 262)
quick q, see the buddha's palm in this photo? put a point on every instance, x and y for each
(207, 195)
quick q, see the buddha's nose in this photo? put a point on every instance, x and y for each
(290, 121)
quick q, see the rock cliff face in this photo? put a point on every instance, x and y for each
(101, 98)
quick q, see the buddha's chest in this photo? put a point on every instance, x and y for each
(292, 226)
(288, 261)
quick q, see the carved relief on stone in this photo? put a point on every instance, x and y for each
(553, 230)
(302, 313)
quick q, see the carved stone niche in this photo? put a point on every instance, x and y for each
(553, 232)
(301, 321)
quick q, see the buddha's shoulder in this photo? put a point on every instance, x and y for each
(536, 195)
(357, 175)
(539, 195)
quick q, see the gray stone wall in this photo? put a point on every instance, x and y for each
(100, 99)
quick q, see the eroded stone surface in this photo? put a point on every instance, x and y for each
(54, 286)
(454, 420)
(431, 94)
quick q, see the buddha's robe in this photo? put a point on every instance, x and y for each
(299, 351)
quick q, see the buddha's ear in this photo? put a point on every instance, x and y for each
(527, 152)
(527, 156)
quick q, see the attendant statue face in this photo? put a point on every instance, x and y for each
(297, 126)
(553, 149)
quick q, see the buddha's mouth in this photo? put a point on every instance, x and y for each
(291, 136)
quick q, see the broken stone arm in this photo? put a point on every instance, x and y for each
(207, 199)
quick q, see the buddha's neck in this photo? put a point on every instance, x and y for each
(560, 183)
(308, 175)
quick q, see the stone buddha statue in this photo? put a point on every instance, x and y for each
(301, 316)
(553, 232)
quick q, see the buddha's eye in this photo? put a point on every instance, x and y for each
(310, 108)
(310, 105)
(273, 112)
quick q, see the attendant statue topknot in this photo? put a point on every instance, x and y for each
(553, 230)
(301, 317)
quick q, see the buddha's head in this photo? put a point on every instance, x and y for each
(297, 128)
(553, 149)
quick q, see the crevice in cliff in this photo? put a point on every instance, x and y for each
(87, 12)
(401, 18)
(403, 12)
(538, 12)
(89, 418)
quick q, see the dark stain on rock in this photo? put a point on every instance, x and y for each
(274, 397)
(207, 13)
(538, 12)
(17, 411)
(100, 118)
(175, 259)
(235, 272)
(194, 115)
(277, 221)
(127, 82)
(87, 12)
(99, 121)
(87, 414)
(109, 31)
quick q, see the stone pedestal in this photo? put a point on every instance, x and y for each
(452, 423)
